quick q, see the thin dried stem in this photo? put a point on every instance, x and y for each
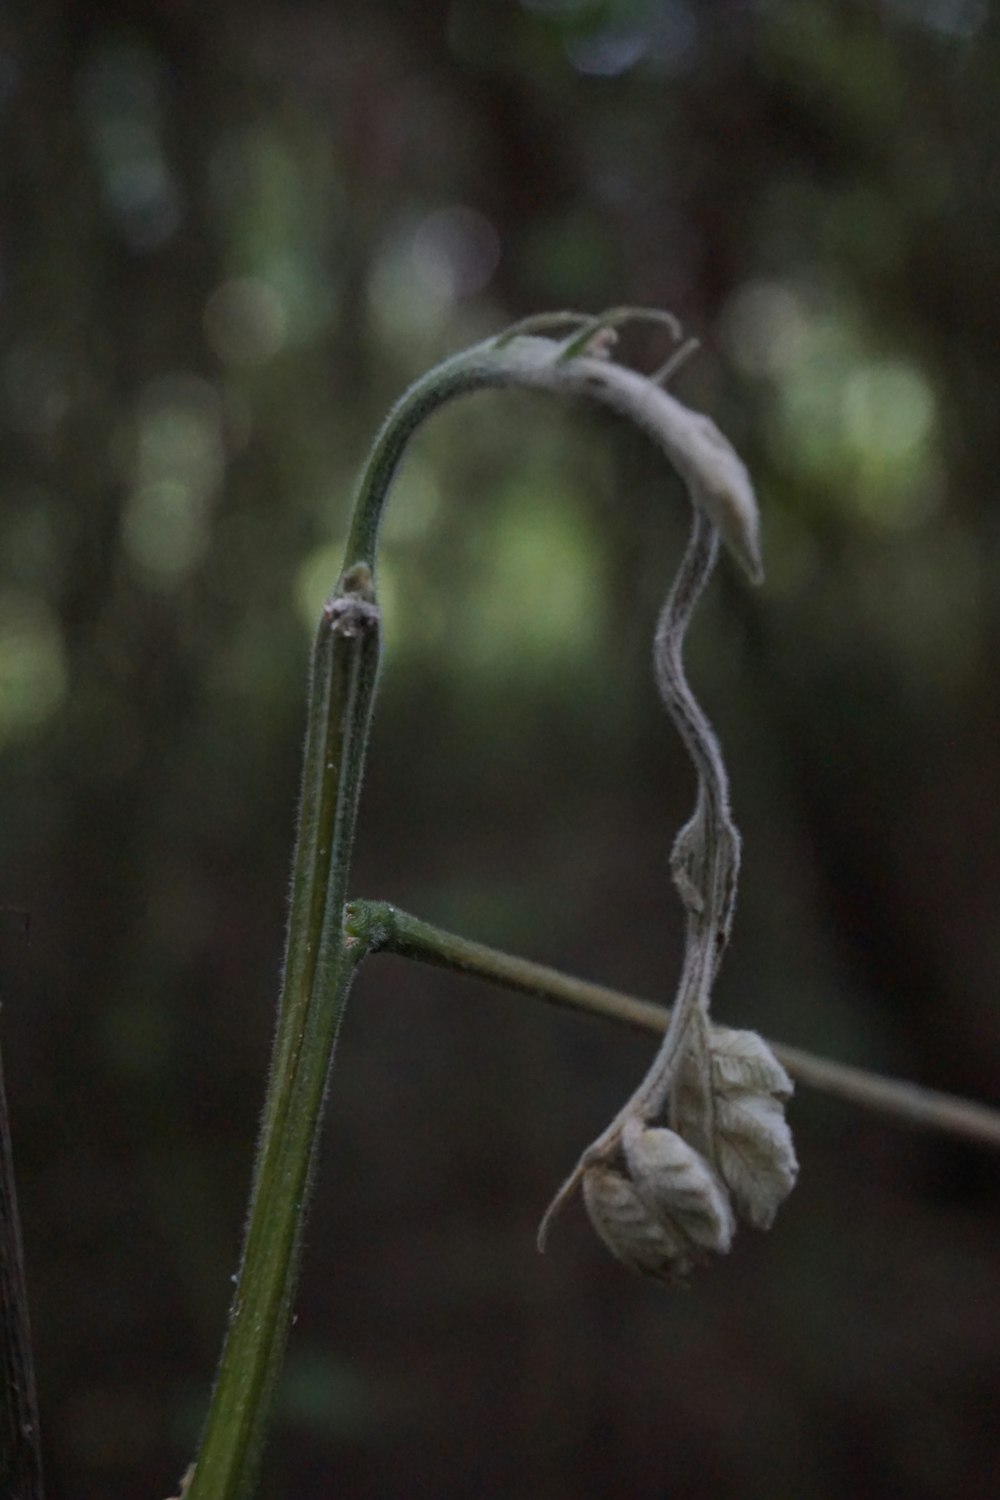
(705, 858)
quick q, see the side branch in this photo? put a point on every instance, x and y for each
(380, 927)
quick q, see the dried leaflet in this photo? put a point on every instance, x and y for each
(741, 1118)
(668, 1213)
(715, 475)
(678, 1184)
(742, 1060)
(624, 1221)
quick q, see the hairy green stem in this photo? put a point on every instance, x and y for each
(378, 927)
(475, 369)
(318, 974)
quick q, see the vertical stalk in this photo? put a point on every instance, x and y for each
(20, 1454)
(318, 973)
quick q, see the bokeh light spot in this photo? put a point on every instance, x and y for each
(538, 602)
(858, 426)
(763, 327)
(955, 18)
(455, 252)
(888, 409)
(36, 387)
(178, 468)
(607, 53)
(422, 272)
(414, 505)
(32, 664)
(245, 321)
(122, 102)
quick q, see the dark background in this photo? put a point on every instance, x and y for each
(229, 236)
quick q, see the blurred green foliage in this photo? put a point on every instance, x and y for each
(230, 237)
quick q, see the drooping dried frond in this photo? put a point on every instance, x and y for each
(662, 1199)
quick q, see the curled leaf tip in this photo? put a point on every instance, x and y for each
(679, 357)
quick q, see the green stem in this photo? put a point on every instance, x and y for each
(381, 928)
(318, 974)
(319, 963)
(474, 369)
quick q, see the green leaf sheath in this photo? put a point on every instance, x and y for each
(318, 973)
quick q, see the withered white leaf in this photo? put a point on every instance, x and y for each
(713, 471)
(741, 1121)
(755, 1154)
(678, 1185)
(715, 475)
(633, 1234)
(743, 1060)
